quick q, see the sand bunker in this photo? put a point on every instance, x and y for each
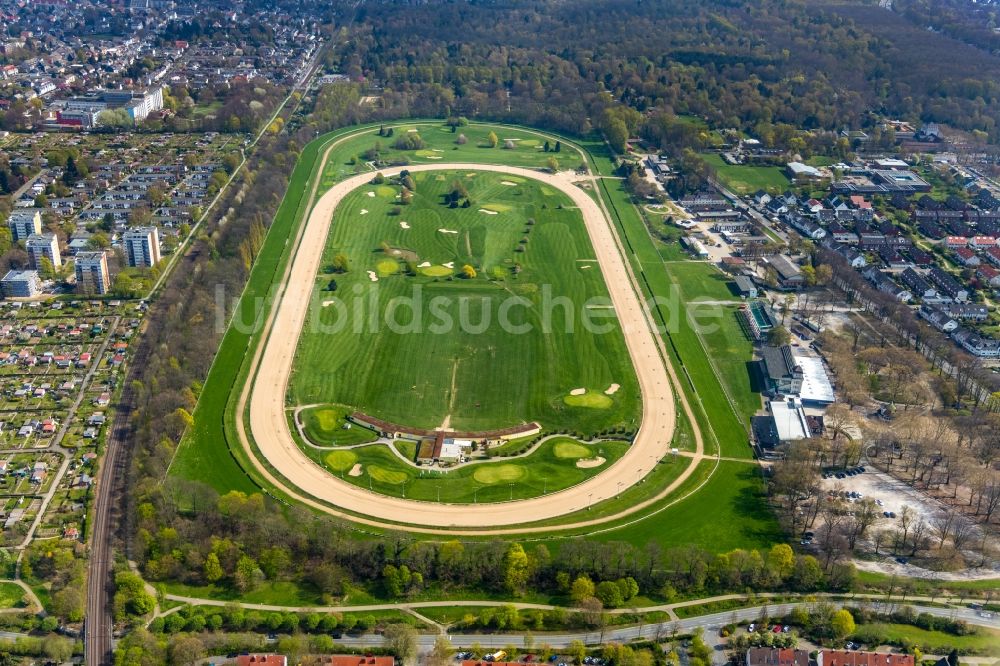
(364, 212)
(411, 130)
(471, 174)
(372, 276)
(327, 304)
(488, 212)
(437, 150)
(425, 264)
(583, 268)
(507, 182)
(611, 390)
(448, 231)
(432, 157)
(578, 391)
(588, 463)
(450, 264)
(404, 225)
(356, 470)
(371, 194)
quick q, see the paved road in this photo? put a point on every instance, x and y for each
(656, 631)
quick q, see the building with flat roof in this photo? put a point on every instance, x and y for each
(92, 273)
(24, 222)
(21, 284)
(817, 389)
(43, 246)
(142, 246)
(789, 420)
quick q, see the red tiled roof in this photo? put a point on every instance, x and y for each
(777, 657)
(262, 659)
(850, 658)
(358, 660)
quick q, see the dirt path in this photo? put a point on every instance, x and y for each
(272, 367)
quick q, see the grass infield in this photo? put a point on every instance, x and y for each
(423, 365)
(204, 455)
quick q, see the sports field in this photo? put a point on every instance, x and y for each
(408, 338)
(747, 179)
(211, 453)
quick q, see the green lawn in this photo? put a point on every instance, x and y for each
(441, 145)
(732, 351)
(700, 281)
(324, 425)
(450, 347)
(11, 595)
(279, 593)
(729, 512)
(984, 641)
(744, 179)
(552, 467)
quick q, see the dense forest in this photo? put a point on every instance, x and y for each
(736, 64)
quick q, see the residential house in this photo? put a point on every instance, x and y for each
(967, 311)
(777, 657)
(947, 285)
(840, 234)
(918, 286)
(871, 240)
(262, 660)
(938, 318)
(976, 344)
(856, 658)
(967, 257)
(892, 258)
(993, 255)
(854, 258)
(989, 276)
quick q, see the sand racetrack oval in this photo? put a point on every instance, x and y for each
(293, 472)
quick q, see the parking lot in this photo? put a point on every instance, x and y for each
(892, 494)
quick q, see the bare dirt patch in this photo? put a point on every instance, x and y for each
(589, 463)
